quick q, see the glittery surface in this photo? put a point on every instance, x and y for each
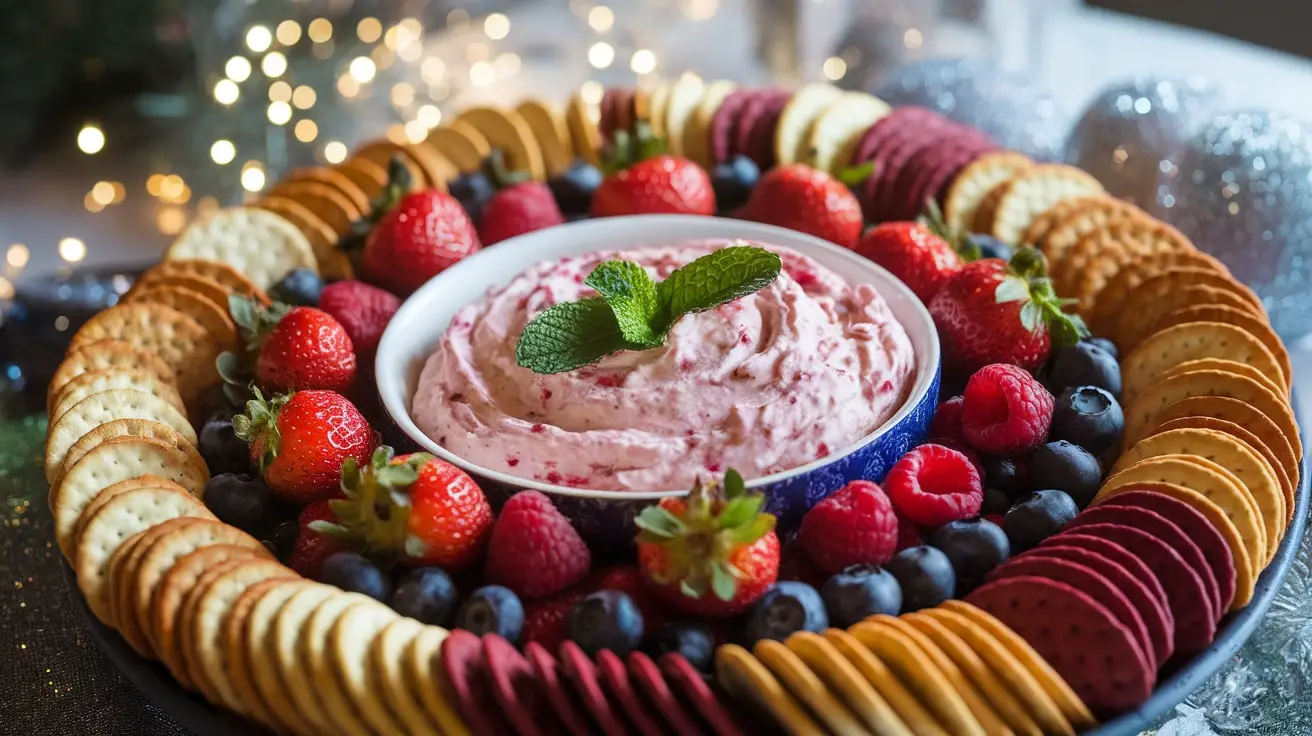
(1009, 107)
(1130, 128)
(1242, 190)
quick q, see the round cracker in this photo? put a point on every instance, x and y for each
(383, 152)
(328, 204)
(212, 290)
(1087, 275)
(223, 273)
(973, 183)
(256, 646)
(315, 666)
(256, 242)
(213, 317)
(105, 355)
(117, 428)
(1033, 192)
(240, 658)
(333, 263)
(115, 489)
(1137, 271)
(1149, 301)
(333, 178)
(107, 406)
(506, 130)
(1170, 347)
(367, 175)
(1037, 233)
(697, 131)
(463, 145)
(1242, 319)
(93, 383)
(1229, 366)
(685, 95)
(656, 104)
(290, 658)
(387, 658)
(790, 136)
(551, 132)
(1072, 219)
(178, 339)
(438, 169)
(115, 574)
(584, 135)
(836, 132)
(123, 571)
(350, 643)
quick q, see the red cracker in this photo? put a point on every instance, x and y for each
(582, 675)
(516, 689)
(725, 119)
(462, 663)
(760, 142)
(647, 677)
(685, 680)
(615, 680)
(563, 700)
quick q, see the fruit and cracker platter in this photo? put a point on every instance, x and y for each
(1109, 465)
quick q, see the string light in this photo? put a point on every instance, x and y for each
(170, 220)
(432, 69)
(591, 92)
(507, 64)
(17, 255)
(280, 91)
(700, 9)
(601, 18)
(643, 61)
(103, 193)
(252, 176)
(306, 131)
(912, 39)
(362, 69)
(428, 116)
(223, 151)
(273, 64)
(403, 95)
(173, 189)
(72, 250)
(238, 68)
(303, 97)
(91, 139)
(120, 191)
(834, 68)
(155, 184)
(369, 30)
(496, 26)
(323, 50)
(7, 292)
(226, 91)
(320, 30)
(601, 55)
(258, 39)
(458, 20)
(415, 131)
(347, 86)
(280, 113)
(481, 74)
(334, 152)
(288, 32)
(411, 52)
(90, 203)
(477, 52)
(396, 134)
(382, 57)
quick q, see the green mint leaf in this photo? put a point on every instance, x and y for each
(631, 294)
(717, 278)
(568, 336)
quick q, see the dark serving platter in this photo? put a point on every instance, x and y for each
(203, 719)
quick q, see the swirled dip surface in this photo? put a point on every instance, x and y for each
(796, 371)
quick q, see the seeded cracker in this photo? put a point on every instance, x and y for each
(256, 242)
(103, 407)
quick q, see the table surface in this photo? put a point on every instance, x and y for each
(57, 681)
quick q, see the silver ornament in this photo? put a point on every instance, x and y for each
(1242, 191)
(975, 92)
(1130, 127)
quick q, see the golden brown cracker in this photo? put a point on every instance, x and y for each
(182, 342)
(333, 262)
(1242, 319)
(328, 204)
(335, 179)
(584, 135)
(119, 428)
(506, 130)
(384, 153)
(974, 182)
(210, 315)
(1142, 309)
(258, 243)
(1082, 216)
(1034, 191)
(368, 175)
(438, 169)
(91, 383)
(1039, 230)
(551, 131)
(1158, 353)
(225, 274)
(1140, 236)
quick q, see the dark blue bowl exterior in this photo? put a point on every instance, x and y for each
(607, 524)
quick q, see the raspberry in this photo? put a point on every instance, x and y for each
(534, 551)
(960, 446)
(312, 548)
(907, 534)
(933, 484)
(1006, 411)
(856, 525)
(946, 424)
(544, 620)
(362, 310)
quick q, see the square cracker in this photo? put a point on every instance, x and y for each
(103, 407)
(260, 244)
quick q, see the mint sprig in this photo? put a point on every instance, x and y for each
(636, 313)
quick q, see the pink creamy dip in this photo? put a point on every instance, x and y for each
(799, 370)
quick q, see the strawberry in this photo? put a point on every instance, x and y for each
(362, 310)
(913, 253)
(808, 200)
(711, 554)
(534, 550)
(422, 235)
(312, 548)
(992, 311)
(299, 441)
(518, 209)
(411, 510)
(296, 348)
(660, 185)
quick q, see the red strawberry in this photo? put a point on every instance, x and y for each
(424, 234)
(711, 554)
(518, 209)
(413, 510)
(362, 310)
(808, 200)
(306, 349)
(312, 548)
(991, 311)
(544, 618)
(534, 550)
(854, 526)
(911, 252)
(659, 185)
(299, 441)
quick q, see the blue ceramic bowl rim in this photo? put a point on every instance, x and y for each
(390, 365)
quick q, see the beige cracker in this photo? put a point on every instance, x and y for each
(127, 428)
(260, 244)
(240, 669)
(206, 287)
(107, 406)
(387, 663)
(257, 643)
(790, 137)
(696, 134)
(318, 674)
(973, 183)
(1242, 319)
(112, 378)
(211, 315)
(551, 132)
(333, 262)
(685, 95)
(105, 355)
(221, 272)
(424, 677)
(1172, 346)
(123, 569)
(506, 130)
(835, 134)
(350, 643)
(1032, 192)
(109, 492)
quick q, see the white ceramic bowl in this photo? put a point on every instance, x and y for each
(416, 328)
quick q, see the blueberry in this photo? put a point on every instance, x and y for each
(354, 573)
(220, 448)
(283, 538)
(991, 247)
(926, 576)
(607, 619)
(859, 591)
(1006, 474)
(1084, 364)
(425, 594)
(472, 190)
(1107, 346)
(787, 607)
(1066, 467)
(733, 182)
(240, 500)
(492, 609)
(1038, 516)
(301, 287)
(974, 547)
(1088, 416)
(995, 502)
(573, 189)
(692, 640)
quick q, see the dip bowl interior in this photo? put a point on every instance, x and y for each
(605, 517)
